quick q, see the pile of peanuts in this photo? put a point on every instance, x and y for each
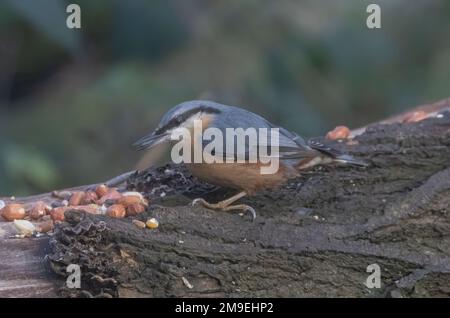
(102, 200)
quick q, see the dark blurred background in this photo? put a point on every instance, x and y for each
(72, 101)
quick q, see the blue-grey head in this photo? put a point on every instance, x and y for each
(180, 116)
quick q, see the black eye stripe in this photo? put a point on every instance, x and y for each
(177, 120)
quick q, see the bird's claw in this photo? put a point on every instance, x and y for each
(218, 206)
(251, 210)
(198, 201)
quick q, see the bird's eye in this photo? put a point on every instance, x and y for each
(178, 120)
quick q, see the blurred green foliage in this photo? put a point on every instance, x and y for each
(72, 101)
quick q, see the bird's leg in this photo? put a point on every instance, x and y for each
(225, 205)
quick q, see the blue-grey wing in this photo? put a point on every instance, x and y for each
(290, 145)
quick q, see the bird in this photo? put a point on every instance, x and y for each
(295, 153)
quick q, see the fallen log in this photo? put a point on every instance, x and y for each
(314, 236)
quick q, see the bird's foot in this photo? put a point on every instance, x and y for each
(223, 206)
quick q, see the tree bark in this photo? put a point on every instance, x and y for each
(314, 236)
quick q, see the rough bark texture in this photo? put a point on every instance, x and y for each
(315, 236)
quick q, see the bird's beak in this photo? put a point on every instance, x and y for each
(151, 141)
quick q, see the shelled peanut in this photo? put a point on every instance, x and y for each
(38, 210)
(340, 132)
(13, 211)
(116, 211)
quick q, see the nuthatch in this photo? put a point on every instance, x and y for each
(294, 152)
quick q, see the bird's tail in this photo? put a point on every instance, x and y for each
(336, 155)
